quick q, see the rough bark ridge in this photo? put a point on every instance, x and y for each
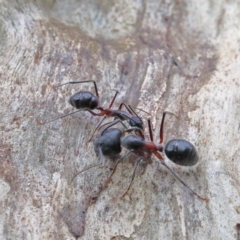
(176, 55)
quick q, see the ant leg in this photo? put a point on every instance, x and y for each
(102, 161)
(99, 124)
(130, 109)
(159, 156)
(93, 113)
(127, 107)
(61, 116)
(136, 129)
(144, 111)
(102, 112)
(139, 110)
(132, 112)
(179, 179)
(95, 85)
(96, 165)
(113, 123)
(115, 167)
(110, 106)
(150, 129)
(162, 122)
(133, 175)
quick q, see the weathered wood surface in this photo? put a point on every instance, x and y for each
(177, 55)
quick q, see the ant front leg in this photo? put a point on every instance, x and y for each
(128, 107)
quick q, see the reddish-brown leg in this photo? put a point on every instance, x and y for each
(150, 129)
(162, 123)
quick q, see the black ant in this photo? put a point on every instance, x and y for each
(86, 101)
(179, 151)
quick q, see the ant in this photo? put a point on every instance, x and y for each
(86, 101)
(179, 151)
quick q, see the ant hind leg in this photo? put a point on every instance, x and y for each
(133, 176)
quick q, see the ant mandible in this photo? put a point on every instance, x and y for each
(86, 101)
(179, 151)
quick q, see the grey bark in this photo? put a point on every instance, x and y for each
(181, 56)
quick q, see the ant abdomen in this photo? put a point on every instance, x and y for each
(181, 152)
(83, 99)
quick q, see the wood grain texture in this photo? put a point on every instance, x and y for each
(177, 55)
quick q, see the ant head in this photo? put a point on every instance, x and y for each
(136, 121)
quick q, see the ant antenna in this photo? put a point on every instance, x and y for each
(95, 85)
(133, 175)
